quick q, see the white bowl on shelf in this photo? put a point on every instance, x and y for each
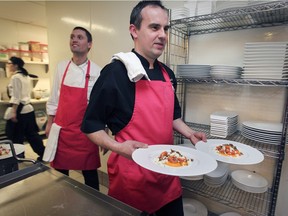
(249, 181)
(194, 207)
(230, 214)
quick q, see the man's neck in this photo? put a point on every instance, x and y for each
(78, 60)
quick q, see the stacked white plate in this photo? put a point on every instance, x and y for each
(217, 177)
(230, 214)
(193, 70)
(225, 72)
(204, 7)
(191, 178)
(179, 13)
(194, 207)
(191, 5)
(223, 123)
(256, 2)
(229, 5)
(266, 60)
(249, 181)
(266, 132)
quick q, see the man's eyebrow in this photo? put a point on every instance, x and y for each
(154, 24)
(158, 25)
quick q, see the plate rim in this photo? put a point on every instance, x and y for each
(170, 170)
(232, 160)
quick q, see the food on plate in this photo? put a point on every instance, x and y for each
(4, 151)
(173, 159)
(229, 150)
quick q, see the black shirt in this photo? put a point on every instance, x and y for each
(113, 96)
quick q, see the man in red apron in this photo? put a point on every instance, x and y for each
(139, 112)
(66, 106)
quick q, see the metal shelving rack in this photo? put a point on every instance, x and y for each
(256, 16)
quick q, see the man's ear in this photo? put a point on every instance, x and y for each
(89, 45)
(133, 31)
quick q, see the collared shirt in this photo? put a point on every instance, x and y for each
(75, 77)
(113, 97)
(20, 91)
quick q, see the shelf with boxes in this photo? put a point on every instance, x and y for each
(32, 52)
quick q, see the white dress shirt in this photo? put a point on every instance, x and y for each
(20, 89)
(75, 77)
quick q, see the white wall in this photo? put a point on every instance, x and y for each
(108, 22)
(14, 32)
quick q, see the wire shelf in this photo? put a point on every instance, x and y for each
(252, 203)
(276, 83)
(256, 16)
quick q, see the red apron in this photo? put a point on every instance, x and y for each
(151, 123)
(75, 151)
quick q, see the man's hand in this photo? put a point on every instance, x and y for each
(198, 136)
(128, 147)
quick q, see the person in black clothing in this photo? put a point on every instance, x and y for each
(139, 112)
(22, 123)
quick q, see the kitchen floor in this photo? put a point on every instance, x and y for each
(74, 174)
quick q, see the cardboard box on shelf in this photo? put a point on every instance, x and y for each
(25, 55)
(4, 55)
(45, 57)
(34, 46)
(43, 47)
(23, 46)
(36, 56)
(13, 52)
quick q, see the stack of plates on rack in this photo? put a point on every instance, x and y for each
(230, 214)
(249, 181)
(223, 123)
(193, 70)
(225, 72)
(217, 177)
(229, 5)
(266, 132)
(266, 60)
(204, 7)
(194, 207)
(256, 2)
(179, 13)
(192, 4)
(191, 178)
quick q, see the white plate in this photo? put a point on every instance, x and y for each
(19, 148)
(249, 181)
(250, 154)
(202, 163)
(230, 214)
(264, 126)
(192, 178)
(223, 114)
(193, 207)
(261, 134)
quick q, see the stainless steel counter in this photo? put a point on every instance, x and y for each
(39, 190)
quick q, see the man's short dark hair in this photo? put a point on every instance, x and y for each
(88, 34)
(136, 18)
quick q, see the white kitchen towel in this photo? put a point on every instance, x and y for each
(133, 65)
(8, 113)
(52, 143)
